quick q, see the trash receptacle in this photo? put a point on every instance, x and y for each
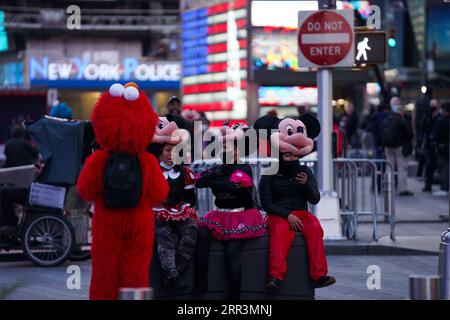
(444, 264)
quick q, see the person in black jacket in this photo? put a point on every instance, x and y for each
(428, 147)
(234, 220)
(19, 151)
(440, 136)
(285, 197)
(396, 137)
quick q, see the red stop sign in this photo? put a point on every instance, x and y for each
(325, 38)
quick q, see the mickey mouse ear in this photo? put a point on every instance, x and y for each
(312, 125)
(266, 122)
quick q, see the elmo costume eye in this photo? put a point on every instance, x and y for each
(116, 90)
(131, 94)
(160, 125)
(290, 130)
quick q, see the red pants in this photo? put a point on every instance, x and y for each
(281, 237)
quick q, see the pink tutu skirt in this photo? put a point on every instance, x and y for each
(230, 225)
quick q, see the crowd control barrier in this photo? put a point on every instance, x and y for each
(365, 188)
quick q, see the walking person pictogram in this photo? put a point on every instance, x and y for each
(362, 47)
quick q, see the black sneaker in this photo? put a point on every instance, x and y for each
(324, 281)
(274, 284)
(406, 193)
(171, 283)
(427, 190)
(183, 285)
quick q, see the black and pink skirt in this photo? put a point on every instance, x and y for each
(234, 224)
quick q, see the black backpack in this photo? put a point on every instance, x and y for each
(122, 181)
(391, 131)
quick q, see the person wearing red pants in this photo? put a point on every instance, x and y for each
(285, 197)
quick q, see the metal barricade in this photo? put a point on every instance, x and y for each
(365, 188)
(345, 184)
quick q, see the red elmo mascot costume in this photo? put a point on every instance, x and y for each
(122, 246)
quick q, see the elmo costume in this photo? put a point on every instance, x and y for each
(122, 246)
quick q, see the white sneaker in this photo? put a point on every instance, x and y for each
(440, 193)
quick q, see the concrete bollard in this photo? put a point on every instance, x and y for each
(444, 264)
(135, 294)
(425, 287)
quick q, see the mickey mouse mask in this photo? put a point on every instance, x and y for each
(292, 136)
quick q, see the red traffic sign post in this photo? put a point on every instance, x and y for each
(326, 38)
(326, 41)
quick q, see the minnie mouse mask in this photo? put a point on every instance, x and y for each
(171, 129)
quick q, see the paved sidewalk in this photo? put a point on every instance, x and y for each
(418, 226)
(350, 272)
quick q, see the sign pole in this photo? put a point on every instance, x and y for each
(325, 97)
(328, 209)
(325, 110)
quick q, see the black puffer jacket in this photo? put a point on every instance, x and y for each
(281, 194)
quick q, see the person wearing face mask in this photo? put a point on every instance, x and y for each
(176, 220)
(440, 137)
(285, 198)
(396, 137)
(428, 147)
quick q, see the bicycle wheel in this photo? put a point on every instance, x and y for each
(48, 240)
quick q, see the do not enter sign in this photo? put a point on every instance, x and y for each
(325, 38)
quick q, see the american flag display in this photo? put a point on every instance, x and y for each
(214, 59)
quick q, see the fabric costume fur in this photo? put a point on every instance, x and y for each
(122, 245)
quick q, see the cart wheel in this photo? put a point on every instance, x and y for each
(48, 240)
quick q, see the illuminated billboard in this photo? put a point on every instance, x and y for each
(214, 57)
(274, 31)
(286, 96)
(85, 72)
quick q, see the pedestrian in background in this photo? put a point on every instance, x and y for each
(373, 127)
(303, 109)
(441, 139)
(421, 112)
(350, 126)
(18, 150)
(174, 106)
(396, 137)
(428, 147)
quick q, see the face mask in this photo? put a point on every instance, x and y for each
(395, 107)
(289, 168)
(165, 166)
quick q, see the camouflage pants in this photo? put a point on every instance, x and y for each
(176, 242)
